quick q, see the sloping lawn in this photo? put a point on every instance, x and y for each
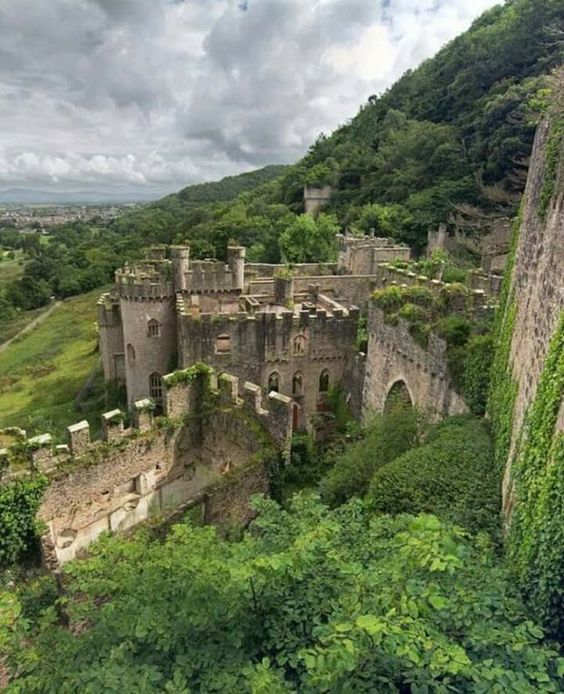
(41, 374)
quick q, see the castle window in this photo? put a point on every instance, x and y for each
(274, 382)
(223, 344)
(300, 343)
(130, 352)
(156, 387)
(297, 384)
(324, 381)
(153, 328)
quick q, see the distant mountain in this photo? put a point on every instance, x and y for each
(26, 196)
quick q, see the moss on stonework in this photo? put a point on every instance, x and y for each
(189, 375)
(503, 392)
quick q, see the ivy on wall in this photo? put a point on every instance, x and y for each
(536, 540)
(503, 391)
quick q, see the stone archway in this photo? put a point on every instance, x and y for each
(398, 396)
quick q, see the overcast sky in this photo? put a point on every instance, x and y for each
(150, 95)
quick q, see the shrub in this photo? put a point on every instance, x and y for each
(386, 436)
(476, 373)
(450, 475)
(454, 330)
(19, 502)
(454, 275)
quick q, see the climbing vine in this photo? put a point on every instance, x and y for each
(503, 391)
(536, 541)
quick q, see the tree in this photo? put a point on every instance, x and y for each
(309, 240)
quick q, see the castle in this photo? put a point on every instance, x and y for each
(291, 331)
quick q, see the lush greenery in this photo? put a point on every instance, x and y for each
(310, 600)
(536, 540)
(227, 188)
(42, 374)
(451, 475)
(385, 437)
(19, 502)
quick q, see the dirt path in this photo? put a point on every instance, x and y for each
(30, 326)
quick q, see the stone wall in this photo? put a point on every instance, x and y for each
(285, 344)
(537, 287)
(110, 332)
(218, 429)
(360, 255)
(393, 356)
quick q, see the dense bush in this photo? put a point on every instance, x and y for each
(450, 475)
(386, 436)
(19, 502)
(310, 600)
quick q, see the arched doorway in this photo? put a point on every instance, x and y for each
(398, 397)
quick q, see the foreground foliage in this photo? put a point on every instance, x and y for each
(311, 600)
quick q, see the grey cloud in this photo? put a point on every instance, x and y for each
(154, 94)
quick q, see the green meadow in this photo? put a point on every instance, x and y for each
(42, 372)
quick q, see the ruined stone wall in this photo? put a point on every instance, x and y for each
(113, 485)
(110, 332)
(360, 255)
(393, 356)
(355, 290)
(315, 199)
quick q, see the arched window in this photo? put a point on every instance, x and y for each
(274, 382)
(153, 328)
(297, 384)
(324, 381)
(130, 352)
(156, 387)
(300, 343)
(223, 344)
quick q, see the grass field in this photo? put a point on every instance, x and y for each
(41, 373)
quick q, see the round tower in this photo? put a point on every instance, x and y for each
(236, 263)
(180, 256)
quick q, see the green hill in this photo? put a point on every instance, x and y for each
(227, 188)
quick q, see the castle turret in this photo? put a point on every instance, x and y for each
(180, 256)
(236, 262)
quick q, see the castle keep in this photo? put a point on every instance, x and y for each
(290, 331)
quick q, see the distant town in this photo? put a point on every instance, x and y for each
(40, 218)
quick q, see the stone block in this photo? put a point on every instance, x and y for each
(78, 436)
(228, 387)
(112, 425)
(143, 414)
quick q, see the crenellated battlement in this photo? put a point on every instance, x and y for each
(183, 396)
(139, 283)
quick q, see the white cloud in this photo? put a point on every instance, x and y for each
(153, 94)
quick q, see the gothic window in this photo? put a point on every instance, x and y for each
(153, 328)
(130, 352)
(297, 384)
(223, 344)
(300, 343)
(156, 387)
(324, 381)
(274, 382)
